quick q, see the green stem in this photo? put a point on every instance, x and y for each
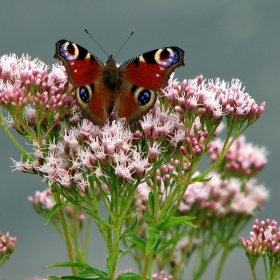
(146, 266)
(156, 197)
(225, 149)
(169, 200)
(71, 256)
(222, 262)
(113, 253)
(253, 272)
(93, 203)
(2, 123)
(25, 127)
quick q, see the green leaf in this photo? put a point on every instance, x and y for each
(74, 278)
(127, 250)
(53, 211)
(148, 217)
(129, 228)
(136, 240)
(182, 181)
(86, 267)
(152, 238)
(129, 276)
(171, 241)
(151, 202)
(174, 221)
(201, 179)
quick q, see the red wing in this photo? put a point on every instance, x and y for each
(95, 101)
(133, 102)
(82, 66)
(152, 69)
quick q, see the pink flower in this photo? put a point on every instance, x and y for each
(25, 81)
(123, 271)
(160, 276)
(7, 246)
(244, 159)
(212, 100)
(264, 240)
(43, 200)
(224, 197)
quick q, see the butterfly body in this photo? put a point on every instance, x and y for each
(129, 89)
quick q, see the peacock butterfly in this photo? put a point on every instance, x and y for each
(129, 89)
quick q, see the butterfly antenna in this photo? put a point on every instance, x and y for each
(124, 43)
(95, 41)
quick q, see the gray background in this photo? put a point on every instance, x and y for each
(226, 39)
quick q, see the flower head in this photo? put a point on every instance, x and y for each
(7, 246)
(264, 241)
(243, 158)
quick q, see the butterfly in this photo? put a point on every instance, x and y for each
(129, 89)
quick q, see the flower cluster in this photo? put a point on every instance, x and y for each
(123, 271)
(242, 160)
(212, 100)
(220, 197)
(264, 241)
(43, 200)
(7, 246)
(160, 276)
(20, 77)
(94, 149)
(195, 140)
(33, 97)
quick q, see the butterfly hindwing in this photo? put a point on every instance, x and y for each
(134, 101)
(95, 101)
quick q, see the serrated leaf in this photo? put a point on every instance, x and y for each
(129, 228)
(53, 211)
(136, 240)
(174, 221)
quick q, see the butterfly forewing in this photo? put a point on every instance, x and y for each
(153, 69)
(82, 66)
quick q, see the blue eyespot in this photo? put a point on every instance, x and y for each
(144, 97)
(84, 94)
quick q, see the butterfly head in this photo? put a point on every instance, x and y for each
(110, 61)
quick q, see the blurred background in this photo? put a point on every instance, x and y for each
(226, 39)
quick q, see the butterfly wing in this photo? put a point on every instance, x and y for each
(85, 73)
(143, 76)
